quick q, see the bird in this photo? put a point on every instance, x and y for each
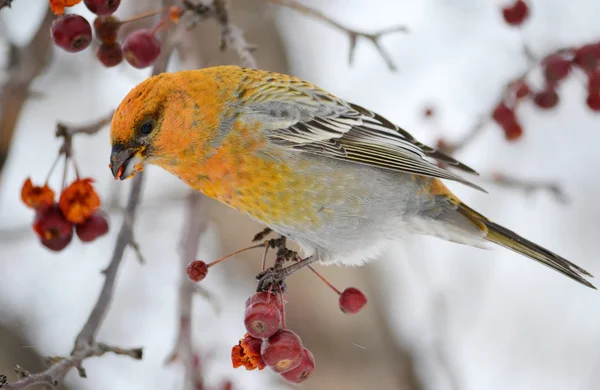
(340, 180)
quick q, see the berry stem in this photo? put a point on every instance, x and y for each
(235, 253)
(65, 172)
(283, 325)
(54, 164)
(144, 15)
(75, 167)
(331, 286)
(264, 259)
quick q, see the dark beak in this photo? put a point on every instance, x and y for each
(125, 161)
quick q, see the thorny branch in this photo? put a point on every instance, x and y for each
(85, 343)
(353, 35)
(231, 35)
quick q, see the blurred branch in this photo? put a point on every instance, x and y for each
(353, 35)
(5, 3)
(68, 131)
(183, 350)
(530, 186)
(85, 343)
(25, 65)
(231, 35)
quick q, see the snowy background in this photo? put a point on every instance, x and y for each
(481, 319)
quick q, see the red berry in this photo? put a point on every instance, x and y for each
(93, 227)
(428, 112)
(262, 320)
(304, 369)
(282, 351)
(265, 297)
(110, 54)
(102, 7)
(593, 101)
(141, 48)
(556, 68)
(546, 99)
(594, 82)
(107, 28)
(196, 270)
(503, 114)
(512, 131)
(352, 300)
(516, 13)
(521, 89)
(588, 57)
(71, 32)
(54, 231)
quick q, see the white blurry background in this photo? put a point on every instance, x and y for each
(481, 319)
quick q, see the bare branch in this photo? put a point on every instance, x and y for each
(68, 131)
(24, 66)
(231, 35)
(5, 3)
(530, 186)
(183, 350)
(353, 35)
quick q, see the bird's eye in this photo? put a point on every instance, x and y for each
(146, 127)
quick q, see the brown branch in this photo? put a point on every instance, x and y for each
(183, 350)
(529, 186)
(85, 343)
(231, 35)
(5, 3)
(68, 131)
(25, 65)
(353, 35)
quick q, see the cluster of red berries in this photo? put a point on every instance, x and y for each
(140, 48)
(268, 343)
(77, 209)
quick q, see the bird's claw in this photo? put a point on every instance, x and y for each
(271, 278)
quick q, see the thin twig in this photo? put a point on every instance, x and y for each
(85, 343)
(529, 186)
(68, 131)
(353, 35)
(183, 350)
(231, 35)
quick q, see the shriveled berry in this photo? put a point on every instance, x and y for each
(102, 7)
(593, 101)
(587, 57)
(93, 227)
(247, 353)
(503, 114)
(262, 320)
(110, 54)
(556, 68)
(54, 231)
(546, 99)
(352, 300)
(141, 48)
(521, 89)
(282, 351)
(304, 369)
(196, 270)
(516, 14)
(265, 297)
(71, 32)
(107, 28)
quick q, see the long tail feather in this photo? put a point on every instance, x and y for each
(511, 240)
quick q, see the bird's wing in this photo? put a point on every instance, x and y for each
(302, 117)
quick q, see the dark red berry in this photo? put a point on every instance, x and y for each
(352, 300)
(556, 68)
(282, 351)
(93, 227)
(107, 28)
(521, 89)
(546, 99)
(594, 82)
(588, 57)
(196, 270)
(304, 369)
(516, 14)
(265, 297)
(71, 32)
(593, 101)
(512, 131)
(503, 114)
(262, 320)
(110, 54)
(141, 48)
(54, 231)
(102, 7)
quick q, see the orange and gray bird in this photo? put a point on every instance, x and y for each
(339, 179)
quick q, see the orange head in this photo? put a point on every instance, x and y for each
(166, 118)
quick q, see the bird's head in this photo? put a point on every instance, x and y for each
(161, 121)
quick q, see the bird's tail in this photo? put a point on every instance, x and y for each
(511, 240)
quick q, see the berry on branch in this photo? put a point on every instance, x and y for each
(71, 32)
(93, 227)
(141, 48)
(352, 300)
(53, 229)
(516, 14)
(110, 54)
(102, 7)
(304, 369)
(262, 320)
(196, 270)
(282, 351)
